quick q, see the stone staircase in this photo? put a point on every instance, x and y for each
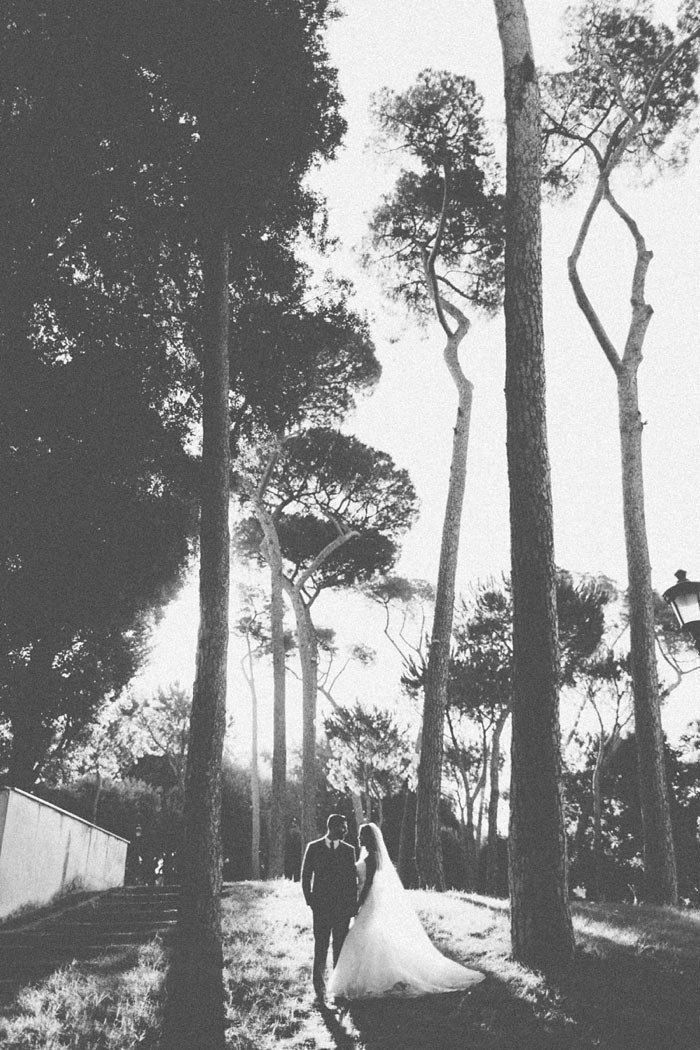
(32, 947)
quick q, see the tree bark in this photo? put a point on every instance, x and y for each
(580, 847)
(195, 1007)
(471, 852)
(471, 848)
(98, 792)
(598, 821)
(482, 798)
(254, 770)
(308, 657)
(607, 747)
(278, 799)
(428, 844)
(494, 799)
(541, 929)
(407, 840)
(660, 878)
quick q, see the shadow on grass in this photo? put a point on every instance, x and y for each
(30, 915)
(671, 928)
(490, 1017)
(625, 1003)
(634, 1000)
(634, 985)
(636, 977)
(25, 965)
(342, 1033)
(102, 932)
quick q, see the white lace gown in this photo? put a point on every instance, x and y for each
(388, 953)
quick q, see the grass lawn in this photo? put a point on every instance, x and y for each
(635, 984)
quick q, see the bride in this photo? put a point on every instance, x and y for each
(387, 951)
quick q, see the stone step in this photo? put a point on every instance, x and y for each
(93, 936)
(68, 929)
(106, 923)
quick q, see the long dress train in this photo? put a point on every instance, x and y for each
(387, 951)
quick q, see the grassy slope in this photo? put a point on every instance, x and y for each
(636, 984)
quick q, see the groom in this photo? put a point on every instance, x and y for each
(329, 882)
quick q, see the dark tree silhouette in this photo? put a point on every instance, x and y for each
(196, 122)
(541, 928)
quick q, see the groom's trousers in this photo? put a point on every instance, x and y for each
(325, 926)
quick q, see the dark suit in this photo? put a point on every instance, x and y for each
(329, 882)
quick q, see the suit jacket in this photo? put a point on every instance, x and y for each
(329, 878)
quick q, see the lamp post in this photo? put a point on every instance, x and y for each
(684, 599)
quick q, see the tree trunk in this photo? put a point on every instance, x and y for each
(428, 845)
(357, 809)
(195, 1007)
(597, 894)
(494, 799)
(661, 885)
(278, 799)
(541, 929)
(308, 656)
(254, 771)
(660, 880)
(471, 852)
(407, 840)
(471, 876)
(98, 792)
(482, 800)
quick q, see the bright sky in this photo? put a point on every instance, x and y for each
(410, 415)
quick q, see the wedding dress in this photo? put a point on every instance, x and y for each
(387, 952)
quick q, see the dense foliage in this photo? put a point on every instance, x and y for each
(626, 75)
(446, 203)
(119, 129)
(623, 867)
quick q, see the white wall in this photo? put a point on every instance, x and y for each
(45, 851)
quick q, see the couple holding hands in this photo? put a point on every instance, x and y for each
(386, 951)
